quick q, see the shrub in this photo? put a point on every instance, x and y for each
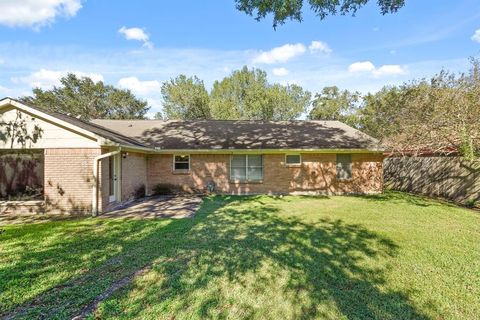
(139, 192)
(165, 188)
(471, 203)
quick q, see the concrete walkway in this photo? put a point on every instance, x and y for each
(158, 207)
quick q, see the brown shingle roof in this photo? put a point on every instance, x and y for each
(241, 134)
(224, 134)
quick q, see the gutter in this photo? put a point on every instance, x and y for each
(264, 151)
(238, 151)
(95, 179)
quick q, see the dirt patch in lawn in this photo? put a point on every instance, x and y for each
(90, 308)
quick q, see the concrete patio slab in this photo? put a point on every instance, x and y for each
(184, 206)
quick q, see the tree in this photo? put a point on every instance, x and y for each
(333, 104)
(440, 114)
(292, 9)
(185, 98)
(381, 112)
(88, 99)
(246, 94)
(286, 102)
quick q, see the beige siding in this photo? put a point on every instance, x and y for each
(53, 136)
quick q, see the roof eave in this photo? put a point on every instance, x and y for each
(12, 102)
(238, 151)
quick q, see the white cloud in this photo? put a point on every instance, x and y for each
(139, 87)
(46, 79)
(280, 72)
(368, 67)
(208, 64)
(2, 61)
(137, 34)
(389, 69)
(319, 46)
(36, 13)
(227, 69)
(362, 66)
(280, 54)
(476, 36)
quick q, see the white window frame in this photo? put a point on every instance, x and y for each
(293, 164)
(181, 170)
(247, 180)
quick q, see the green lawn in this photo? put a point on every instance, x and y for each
(391, 256)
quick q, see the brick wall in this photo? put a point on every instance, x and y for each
(134, 174)
(317, 174)
(69, 179)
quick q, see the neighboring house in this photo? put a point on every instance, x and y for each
(93, 166)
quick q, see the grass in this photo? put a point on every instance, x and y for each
(391, 256)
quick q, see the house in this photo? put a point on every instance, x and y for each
(94, 166)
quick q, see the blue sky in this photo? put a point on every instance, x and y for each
(140, 44)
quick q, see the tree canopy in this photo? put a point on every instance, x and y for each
(81, 96)
(244, 94)
(185, 98)
(437, 114)
(283, 10)
(441, 114)
(335, 104)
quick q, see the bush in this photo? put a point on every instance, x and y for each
(24, 194)
(165, 188)
(470, 203)
(139, 192)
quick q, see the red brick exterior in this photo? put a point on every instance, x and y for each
(316, 175)
(69, 179)
(134, 174)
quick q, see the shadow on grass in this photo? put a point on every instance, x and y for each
(231, 238)
(403, 197)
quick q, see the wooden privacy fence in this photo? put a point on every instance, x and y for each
(450, 177)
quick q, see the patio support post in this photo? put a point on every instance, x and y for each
(95, 179)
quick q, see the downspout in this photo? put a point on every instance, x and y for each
(95, 179)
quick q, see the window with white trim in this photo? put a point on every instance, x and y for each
(181, 162)
(293, 160)
(246, 168)
(344, 166)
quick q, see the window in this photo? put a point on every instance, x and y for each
(246, 168)
(181, 163)
(344, 166)
(293, 160)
